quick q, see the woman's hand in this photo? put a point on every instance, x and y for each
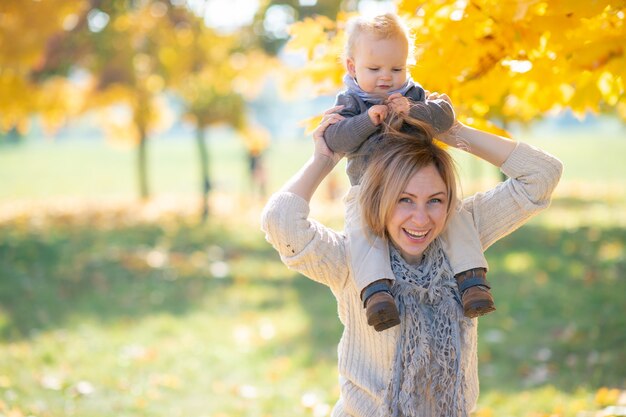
(321, 148)
(449, 137)
(492, 148)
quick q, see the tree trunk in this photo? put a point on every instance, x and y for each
(13, 136)
(142, 174)
(204, 171)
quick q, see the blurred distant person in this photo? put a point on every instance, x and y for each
(258, 178)
(256, 139)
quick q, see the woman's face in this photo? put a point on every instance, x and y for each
(419, 215)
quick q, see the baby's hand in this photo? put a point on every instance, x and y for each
(399, 104)
(377, 113)
(450, 136)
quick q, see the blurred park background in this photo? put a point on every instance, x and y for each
(139, 140)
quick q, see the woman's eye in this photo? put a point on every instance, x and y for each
(406, 200)
(435, 200)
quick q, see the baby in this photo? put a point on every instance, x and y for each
(378, 88)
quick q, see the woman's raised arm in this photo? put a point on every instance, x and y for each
(487, 146)
(308, 178)
(305, 245)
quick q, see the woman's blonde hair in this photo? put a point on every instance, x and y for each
(385, 26)
(398, 158)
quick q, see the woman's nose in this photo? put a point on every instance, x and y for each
(420, 216)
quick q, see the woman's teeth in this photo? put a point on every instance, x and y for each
(417, 235)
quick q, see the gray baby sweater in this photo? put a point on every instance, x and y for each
(358, 137)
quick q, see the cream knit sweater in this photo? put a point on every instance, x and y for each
(365, 356)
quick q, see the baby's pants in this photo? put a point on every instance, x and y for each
(369, 254)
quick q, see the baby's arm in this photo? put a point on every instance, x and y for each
(438, 113)
(347, 135)
(369, 254)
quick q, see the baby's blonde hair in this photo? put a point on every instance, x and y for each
(385, 26)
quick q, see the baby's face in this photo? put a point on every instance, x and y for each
(379, 65)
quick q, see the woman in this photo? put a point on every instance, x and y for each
(426, 366)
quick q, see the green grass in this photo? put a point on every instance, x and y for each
(106, 317)
(128, 309)
(96, 169)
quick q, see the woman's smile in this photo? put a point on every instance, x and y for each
(415, 235)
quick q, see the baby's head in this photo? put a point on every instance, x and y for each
(377, 51)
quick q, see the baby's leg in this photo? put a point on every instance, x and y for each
(369, 254)
(468, 263)
(371, 268)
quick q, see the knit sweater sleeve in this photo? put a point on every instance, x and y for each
(533, 175)
(349, 134)
(438, 113)
(305, 245)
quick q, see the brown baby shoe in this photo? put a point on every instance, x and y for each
(380, 307)
(475, 295)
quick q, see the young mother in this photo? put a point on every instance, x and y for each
(426, 366)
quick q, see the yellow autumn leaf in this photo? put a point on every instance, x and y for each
(410, 7)
(611, 87)
(311, 124)
(486, 125)
(607, 396)
(255, 137)
(309, 33)
(621, 108)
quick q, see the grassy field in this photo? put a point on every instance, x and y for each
(110, 307)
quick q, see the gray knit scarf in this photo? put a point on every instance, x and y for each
(427, 377)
